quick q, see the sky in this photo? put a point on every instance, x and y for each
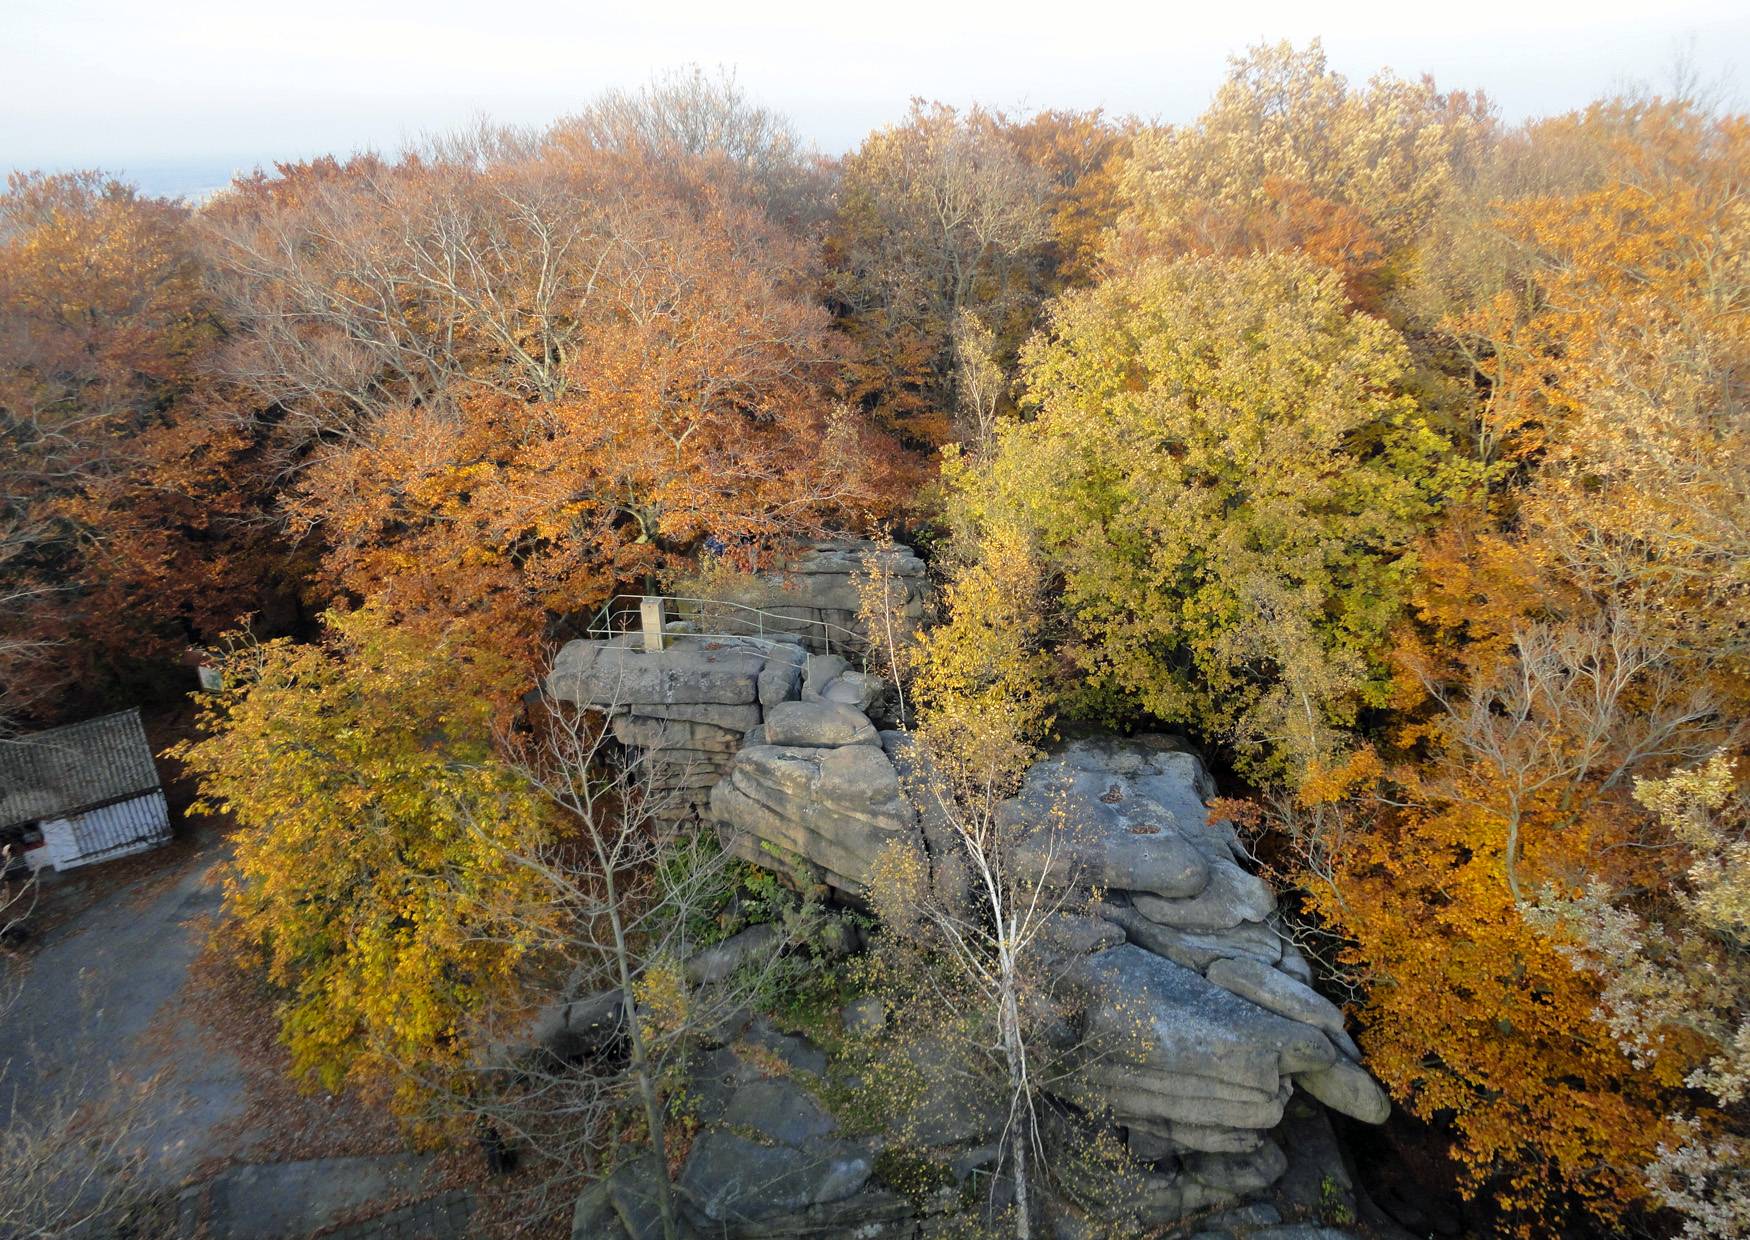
(179, 95)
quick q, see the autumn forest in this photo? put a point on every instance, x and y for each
(1394, 454)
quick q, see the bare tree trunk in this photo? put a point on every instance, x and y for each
(650, 1093)
(875, 590)
(1020, 1100)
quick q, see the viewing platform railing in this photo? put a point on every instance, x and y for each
(649, 614)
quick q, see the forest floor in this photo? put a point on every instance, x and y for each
(123, 1009)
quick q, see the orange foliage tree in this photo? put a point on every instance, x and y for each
(519, 371)
(954, 216)
(938, 215)
(1581, 629)
(128, 522)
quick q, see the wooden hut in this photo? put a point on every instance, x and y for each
(81, 793)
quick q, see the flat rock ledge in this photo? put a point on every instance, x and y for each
(818, 585)
(686, 708)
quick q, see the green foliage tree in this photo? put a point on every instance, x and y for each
(1228, 470)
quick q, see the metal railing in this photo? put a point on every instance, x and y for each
(622, 614)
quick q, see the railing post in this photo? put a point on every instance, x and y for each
(650, 617)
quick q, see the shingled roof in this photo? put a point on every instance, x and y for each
(73, 768)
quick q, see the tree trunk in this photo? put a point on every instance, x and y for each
(1019, 1105)
(648, 1092)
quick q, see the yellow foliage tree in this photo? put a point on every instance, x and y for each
(373, 868)
(1290, 155)
(981, 687)
(983, 709)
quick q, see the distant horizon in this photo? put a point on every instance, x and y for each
(179, 102)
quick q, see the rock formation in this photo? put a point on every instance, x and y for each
(769, 1159)
(1196, 1006)
(1193, 998)
(817, 584)
(692, 705)
(1232, 1025)
(814, 785)
(688, 707)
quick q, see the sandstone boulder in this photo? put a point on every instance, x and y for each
(1154, 1141)
(621, 1206)
(685, 710)
(1239, 1174)
(820, 582)
(717, 962)
(1254, 940)
(1076, 934)
(821, 670)
(781, 678)
(1347, 1088)
(822, 724)
(732, 1179)
(835, 809)
(1230, 898)
(1115, 815)
(1164, 1040)
(779, 1110)
(737, 717)
(858, 690)
(671, 735)
(1275, 990)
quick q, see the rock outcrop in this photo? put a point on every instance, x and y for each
(832, 807)
(1203, 1039)
(771, 1158)
(1199, 1027)
(687, 707)
(818, 585)
(1199, 1023)
(691, 706)
(815, 785)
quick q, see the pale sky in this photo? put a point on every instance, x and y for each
(179, 93)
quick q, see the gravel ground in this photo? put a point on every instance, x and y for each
(112, 999)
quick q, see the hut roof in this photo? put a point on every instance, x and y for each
(77, 767)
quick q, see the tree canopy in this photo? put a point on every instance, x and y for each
(1393, 451)
(1229, 469)
(374, 873)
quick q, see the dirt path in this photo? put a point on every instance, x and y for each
(101, 978)
(113, 1000)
